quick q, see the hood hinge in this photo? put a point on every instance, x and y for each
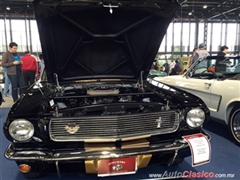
(140, 82)
(59, 88)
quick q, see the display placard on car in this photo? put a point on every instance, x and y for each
(200, 148)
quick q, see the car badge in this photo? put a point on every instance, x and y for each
(117, 167)
(72, 128)
(159, 122)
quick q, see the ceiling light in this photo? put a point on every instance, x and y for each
(190, 13)
(8, 8)
(204, 6)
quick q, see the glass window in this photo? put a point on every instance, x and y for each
(231, 36)
(216, 36)
(185, 37)
(201, 33)
(177, 37)
(162, 46)
(2, 35)
(36, 47)
(8, 31)
(223, 33)
(209, 28)
(28, 34)
(192, 36)
(19, 34)
(169, 37)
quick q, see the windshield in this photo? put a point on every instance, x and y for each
(215, 67)
(222, 64)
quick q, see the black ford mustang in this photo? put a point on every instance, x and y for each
(97, 108)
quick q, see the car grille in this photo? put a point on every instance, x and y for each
(112, 127)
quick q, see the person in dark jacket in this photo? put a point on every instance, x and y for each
(223, 52)
(177, 69)
(11, 61)
(221, 67)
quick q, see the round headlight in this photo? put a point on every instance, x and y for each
(195, 117)
(21, 130)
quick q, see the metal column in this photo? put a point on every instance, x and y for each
(30, 35)
(181, 38)
(211, 38)
(166, 44)
(196, 34)
(26, 32)
(10, 24)
(236, 47)
(221, 33)
(172, 39)
(225, 40)
(189, 38)
(205, 32)
(238, 31)
(5, 30)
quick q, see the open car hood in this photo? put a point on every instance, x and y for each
(89, 39)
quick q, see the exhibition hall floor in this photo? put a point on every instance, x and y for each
(225, 160)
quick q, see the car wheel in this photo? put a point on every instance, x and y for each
(234, 125)
(31, 175)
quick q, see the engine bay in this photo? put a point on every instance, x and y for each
(75, 101)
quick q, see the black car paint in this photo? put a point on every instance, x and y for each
(30, 105)
(98, 44)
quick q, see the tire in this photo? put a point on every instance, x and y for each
(32, 175)
(234, 125)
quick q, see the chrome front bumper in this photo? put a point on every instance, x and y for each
(176, 146)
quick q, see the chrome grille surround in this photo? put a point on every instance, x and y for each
(113, 127)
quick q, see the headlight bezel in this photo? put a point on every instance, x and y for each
(19, 125)
(190, 122)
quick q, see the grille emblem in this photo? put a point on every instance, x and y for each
(72, 128)
(159, 122)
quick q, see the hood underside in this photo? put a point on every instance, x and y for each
(96, 39)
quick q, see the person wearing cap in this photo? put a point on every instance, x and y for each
(201, 53)
(223, 52)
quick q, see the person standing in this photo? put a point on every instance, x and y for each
(201, 53)
(195, 50)
(41, 65)
(172, 65)
(29, 68)
(7, 85)
(11, 61)
(166, 67)
(155, 65)
(218, 66)
(223, 52)
(177, 69)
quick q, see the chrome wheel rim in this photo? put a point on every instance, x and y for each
(236, 125)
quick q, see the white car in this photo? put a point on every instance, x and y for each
(218, 86)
